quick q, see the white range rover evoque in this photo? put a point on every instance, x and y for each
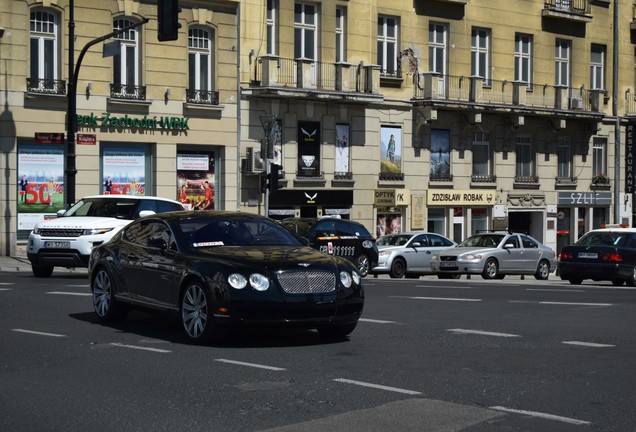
(67, 240)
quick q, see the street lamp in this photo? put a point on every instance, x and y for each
(268, 122)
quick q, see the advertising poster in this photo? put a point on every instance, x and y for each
(276, 139)
(390, 150)
(195, 180)
(388, 223)
(40, 183)
(124, 171)
(309, 149)
(342, 148)
(440, 153)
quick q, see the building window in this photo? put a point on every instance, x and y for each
(437, 53)
(44, 51)
(523, 59)
(341, 20)
(388, 45)
(200, 64)
(564, 158)
(481, 156)
(126, 62)
(305, 31)
(272, 40)
(480, 53)
(599, 158)
(597, 67)
(562, 63)
(525, 159)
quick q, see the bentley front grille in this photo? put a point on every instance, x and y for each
(307, 282)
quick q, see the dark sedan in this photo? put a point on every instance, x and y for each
(606, 254)
(219, 270)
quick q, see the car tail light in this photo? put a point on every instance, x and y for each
(566, 256)
(612, 257)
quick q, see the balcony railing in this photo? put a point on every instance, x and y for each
(343, 176)
(46, 86)
(441, 177)
(128, 92)
(580, 7)
(391, 176)
(278, 72)
(483, 178)
(527, 179)
(566, 181)
(203, 97)
(433, 86)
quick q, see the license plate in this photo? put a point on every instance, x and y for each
(588, 255)
(447, 264)
(57, 244)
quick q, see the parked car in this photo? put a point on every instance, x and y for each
(340, 237)
(224, 269)
(495, 254)
(606, 254)
(67, 240)
(409, 253)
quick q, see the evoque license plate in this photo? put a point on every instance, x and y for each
(57, 244)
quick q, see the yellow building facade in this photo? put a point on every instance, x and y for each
(444, 115)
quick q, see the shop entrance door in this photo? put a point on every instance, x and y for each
(309, 211)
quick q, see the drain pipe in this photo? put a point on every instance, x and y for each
(239, 98)
(617, 125)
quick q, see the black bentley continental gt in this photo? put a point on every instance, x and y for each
(219, 270)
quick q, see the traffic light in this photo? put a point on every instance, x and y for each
(168, 20)
(274, 174)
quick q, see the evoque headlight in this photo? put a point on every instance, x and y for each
(96, 231)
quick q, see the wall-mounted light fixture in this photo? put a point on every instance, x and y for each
(89, 87)
(167, 94)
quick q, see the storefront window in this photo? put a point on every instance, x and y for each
(437, 220)
(479, 219)
(600, 217)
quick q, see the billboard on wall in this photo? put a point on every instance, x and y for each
(124, 171)
(195, 180)
(309, 149)
(40, 183)
(390, 149)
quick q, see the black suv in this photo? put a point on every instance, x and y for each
(339, 237)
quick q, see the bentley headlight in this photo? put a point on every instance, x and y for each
(356, 277)
(94, 231)
(259, 282)
(345, 278)
(237, 281)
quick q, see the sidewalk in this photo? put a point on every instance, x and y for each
(20, 263)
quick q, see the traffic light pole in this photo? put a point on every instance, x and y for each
(71, 114)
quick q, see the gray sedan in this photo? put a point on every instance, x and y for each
(495, 255)
(409, 253)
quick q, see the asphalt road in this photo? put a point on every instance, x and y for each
(428, 355)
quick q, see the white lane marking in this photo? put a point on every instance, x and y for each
(481, 332)
(554, 290)
(79, 286)
(542, 415)
(377, 386)
(140, 348)
(439, 298)
(255, 365)
(6, 289)
(442, 287)
(376, 321)
(588, 344)
(575, 304)
(38, 333)
(7, 283)
(69, 293)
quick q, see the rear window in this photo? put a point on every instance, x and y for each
(606, 239)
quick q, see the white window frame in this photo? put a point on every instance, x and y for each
(305, 29)
(438, 53)
(129, 41)
(480, 53)
(341, 33)
(272, 27)
(597, 67)
(524, 150)
(201, 51)
(562, 59)
(388, 42)
(564, 157)
(523, 59)
(481, 142)
(599, 156)
(44, 30)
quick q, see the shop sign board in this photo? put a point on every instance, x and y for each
(391, 197)
(454, 197)
(584, 199)
(630, 148)
(49, 138)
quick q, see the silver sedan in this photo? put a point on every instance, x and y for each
(409, 253)
(495, 255)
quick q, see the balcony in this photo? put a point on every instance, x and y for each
(391, 176)
(279, 76)
(42, 86)
(526, 182)
(572, 10)
(471, 91)
(483, 179)
(202, 97)
(128, 92)
(565, 182)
